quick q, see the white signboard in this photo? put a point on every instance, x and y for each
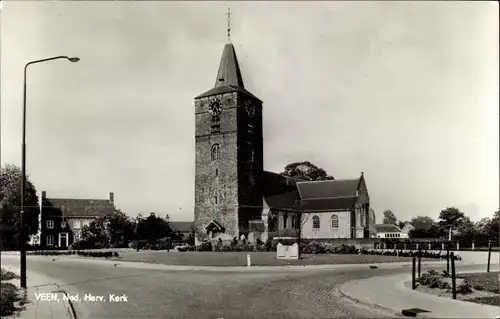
(287, 252)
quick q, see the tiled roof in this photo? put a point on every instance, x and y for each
(329, 188)
(229, 77)
(274, 183)
(181, 226)
(81, 207)
(227, 89)
(329, 204)
(229, 69)
(387, 228)
(284, 201)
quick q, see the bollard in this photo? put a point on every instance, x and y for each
(430, 246)
(448, 259)
(249, 262)
(413, 284)
(458, 246)
(489, 256)
(453, 279)
(419, 261)
(472, 245)
(442, 246)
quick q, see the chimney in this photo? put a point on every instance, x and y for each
(361, 174)
(112, 197)
(44, 195)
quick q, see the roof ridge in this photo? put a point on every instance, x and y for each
(329, 197)
(330, 180)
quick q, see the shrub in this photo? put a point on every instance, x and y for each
(464, 288)
(478, 287)
(205, 246)
(87, 243)
(138, 243)
(249, 247)
(164, 243)
(444, 285)
(316, 248)
(10, 296)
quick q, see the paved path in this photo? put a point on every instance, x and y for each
(391, 294)
(182, 293)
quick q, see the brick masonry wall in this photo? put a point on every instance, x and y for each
(230, 179)
(210, 184)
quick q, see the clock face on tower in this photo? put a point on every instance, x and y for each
(250, 108)
(215, 108)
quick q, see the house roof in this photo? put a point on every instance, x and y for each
(328, 188)
(183, 227)
(329, 204)
(81, 207)
(274, 183)
(387, 228)
(284, 201)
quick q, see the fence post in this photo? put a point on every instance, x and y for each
(453, 279)
(419, 261)
(489, 256)
(413, 283)
(448, 258)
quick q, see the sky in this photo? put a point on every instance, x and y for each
(405, 92)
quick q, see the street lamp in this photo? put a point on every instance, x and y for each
(23, 166)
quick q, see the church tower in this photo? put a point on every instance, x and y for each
(229, 155)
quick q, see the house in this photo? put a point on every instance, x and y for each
(389, 231)
(61, 219)
(330, 209)
(236, 198)
(184, 229)
(407, 228)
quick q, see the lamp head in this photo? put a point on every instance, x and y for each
(74, 59)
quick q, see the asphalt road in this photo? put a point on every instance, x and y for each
(204, 294)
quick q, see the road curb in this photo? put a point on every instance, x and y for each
(373, 305)
(68, 305)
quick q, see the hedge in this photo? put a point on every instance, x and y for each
(310, 248)
(99, 254)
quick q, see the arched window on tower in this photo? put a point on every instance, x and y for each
(215, 152)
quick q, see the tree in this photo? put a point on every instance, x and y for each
(10, 206)
(306, 171)
(422, 222)
(401, 224)
(389, 217)
(451, 216)
(115, 229)
(467, 231)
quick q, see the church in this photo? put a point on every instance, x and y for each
(236, 198)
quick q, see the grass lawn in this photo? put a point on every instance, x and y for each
(258, 258)
(484, 281)
(12, 299)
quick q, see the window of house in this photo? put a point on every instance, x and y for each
(63, 224)
(50, 224)
(294, 222)
(315, 222)
(50, 240)
(215, 199)
(77, 224)
(285, 220)
(216, 172)
(215, 152)
(335, 221)
(362, 217)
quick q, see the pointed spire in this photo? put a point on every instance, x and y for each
(229, 69)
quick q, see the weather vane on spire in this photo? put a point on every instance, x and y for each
(228, 24)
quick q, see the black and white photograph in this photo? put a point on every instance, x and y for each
(239, 159)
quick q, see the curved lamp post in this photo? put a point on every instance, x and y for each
(23, 167)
